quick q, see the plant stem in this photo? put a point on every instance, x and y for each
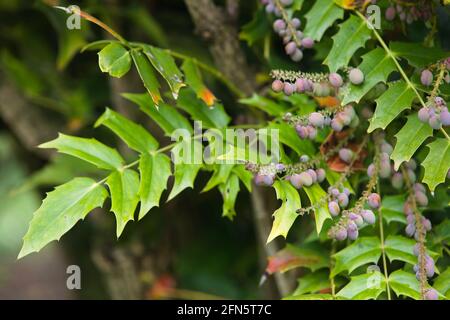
(399, 67)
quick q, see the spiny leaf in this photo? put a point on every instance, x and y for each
(134, 135)
(400, 248)
(244, 175)
(89, 150)
(291, 257)
(123, 187)
(352, 35)
(405, 284)
(194, 80)
(256, 29)
(210, 117)
(166, 66)
(392, 208)
(417, 55)
(313, 282)
(220, 175)
(390, 104)
(267, 105)
(376, 67)
(364, 287)
(155, 171)
(409, 139)
(442, 283)
(60, 211)
(229, 191)
(185, 169)
(115, 60)
(287, 213)
(316, 194)
(148, 76)
(363, 251)
(437, 163)
(167, 117)
(320, 17)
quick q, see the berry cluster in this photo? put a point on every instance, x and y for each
(436, 113)
(338, 200)
(307, 178)
(421, 199)
(307, 127)
(288, 30)
(409, 14)
(385, 169)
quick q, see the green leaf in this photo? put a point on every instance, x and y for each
(442, 283)
(229, 191)
(400, 248)
(256, 29)
(405, 284)
(134, 135)
(155, 171)
(148, 77)
(310, 297)
(195, 82)
(244, 175)
(89, 150)
(364, 287)
(390, 104)
(289, 137)
(167, 117)
(115, 60)
(166, 66)
(320, 17)
(409, 139)
(210, 117)
(352, 35)
(316, 194)
(220, 175)
(185, 173)
(60, 211)
(417, 55)
(437, 163)
(267, 105)
(392, 208)
(123, 187)
(376, 67)
(287, 213)
(363, 251)
(312, 282)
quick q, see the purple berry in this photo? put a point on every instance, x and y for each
(390, 13)
(279, 25)
(343, 200)
(312, 132)
(427, 224)
(277, 86)
(313, 175)
(346, 155)
(356, 76)
(429, 266)
(445, 118)
(301, 85)
(397, 180)
(336, 80)
(301, 131)
(421, 198)
(416, 250)
(424, 114)
(296, 181)
(435, 122)
(334, 192)
(431, 294)
(385, 169)
(368, 216)
(426, 77)
(337, 125)
(374, 200)
(290, 48)
(306, 179)
(371, 170)
(296, 23)
(334, 209)
(316, 119)
(297, 55)
(308, 43)
(410, 229)
(321, 174)
(289, 89)
(352, 234)
(341, 234)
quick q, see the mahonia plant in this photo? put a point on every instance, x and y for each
(365, 146)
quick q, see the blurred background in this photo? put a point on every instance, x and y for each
(184, 249)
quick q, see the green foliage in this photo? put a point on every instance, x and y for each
(115, 60)
(321, 16)
(437, 163)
